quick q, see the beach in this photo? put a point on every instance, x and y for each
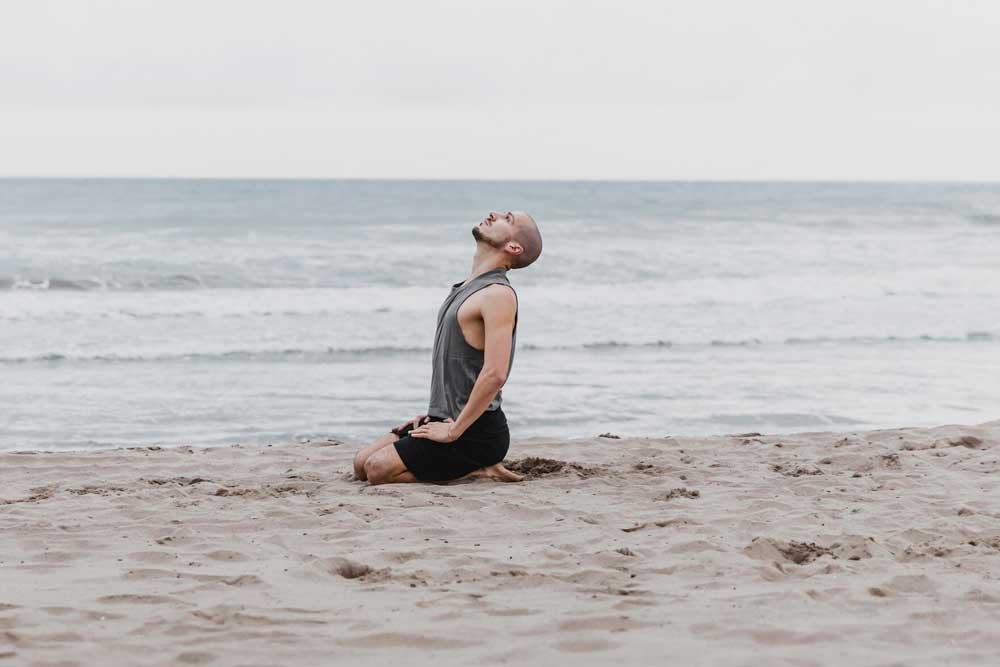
(873, 548)
(748, 361)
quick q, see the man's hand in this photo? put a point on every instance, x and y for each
(436, 431)
(413, 423)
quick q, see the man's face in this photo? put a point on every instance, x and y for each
(496, 229)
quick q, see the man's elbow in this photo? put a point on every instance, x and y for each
(495, 376)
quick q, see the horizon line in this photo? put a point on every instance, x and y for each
(398, 179)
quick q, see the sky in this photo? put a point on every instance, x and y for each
(692, 89)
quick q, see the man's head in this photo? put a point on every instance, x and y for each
(513, 233)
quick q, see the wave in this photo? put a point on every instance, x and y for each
(774, 419)
(289, 354)
(984, 218)
(736, 343)
(77, 285)
(93, 283)
(970, 336)
(326, 354)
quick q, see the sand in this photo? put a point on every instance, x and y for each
(877, 548)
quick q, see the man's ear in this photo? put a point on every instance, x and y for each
(515, 248)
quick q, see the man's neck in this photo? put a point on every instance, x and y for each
(486, 259)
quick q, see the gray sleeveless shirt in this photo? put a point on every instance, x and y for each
(455, 363)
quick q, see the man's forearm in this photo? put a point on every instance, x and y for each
(487, 385)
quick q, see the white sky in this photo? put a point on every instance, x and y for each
(693, 89)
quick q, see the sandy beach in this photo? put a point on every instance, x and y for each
(875, 548)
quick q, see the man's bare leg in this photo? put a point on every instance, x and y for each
(390, 469)
(365, 453)
(385, 467)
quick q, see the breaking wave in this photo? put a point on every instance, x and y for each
(333, 354)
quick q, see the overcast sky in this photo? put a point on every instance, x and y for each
(693, 89)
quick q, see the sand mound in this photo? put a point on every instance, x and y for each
(533, 467)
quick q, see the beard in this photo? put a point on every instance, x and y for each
(477, 234)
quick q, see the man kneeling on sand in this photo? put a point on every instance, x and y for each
(464, 432)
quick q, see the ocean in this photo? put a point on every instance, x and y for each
(213, 312)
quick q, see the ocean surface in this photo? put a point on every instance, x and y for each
(210, 312)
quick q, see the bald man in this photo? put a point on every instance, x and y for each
(464, 432)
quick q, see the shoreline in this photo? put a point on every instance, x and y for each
(810, 548)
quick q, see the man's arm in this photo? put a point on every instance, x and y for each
(497, 309)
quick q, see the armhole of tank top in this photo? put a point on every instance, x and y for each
(517, 305)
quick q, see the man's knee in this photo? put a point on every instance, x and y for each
(366, 453)
(359, 466)
(377, 470)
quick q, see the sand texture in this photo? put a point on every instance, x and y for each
(878, 548)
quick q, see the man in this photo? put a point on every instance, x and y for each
(464, 432)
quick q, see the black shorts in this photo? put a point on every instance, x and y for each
(484, 443)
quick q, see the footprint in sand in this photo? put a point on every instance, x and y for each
(848, 547)
(136, 599)
(381, 640)
(226, 555)
(518, 611)
(601, 624)
(195, 658)
(151, 557)
(585, 645)
(680, 492)
(342, 567)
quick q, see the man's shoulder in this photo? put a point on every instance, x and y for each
(495, 298)
(504, 289)
(498, 294)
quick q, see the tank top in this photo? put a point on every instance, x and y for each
(456, 364)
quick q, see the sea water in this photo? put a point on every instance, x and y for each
(168, 312)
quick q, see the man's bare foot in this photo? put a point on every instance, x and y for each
(496, 472)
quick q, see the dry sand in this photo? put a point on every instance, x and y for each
(879, 548)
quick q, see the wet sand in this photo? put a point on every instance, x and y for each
(875, 548)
